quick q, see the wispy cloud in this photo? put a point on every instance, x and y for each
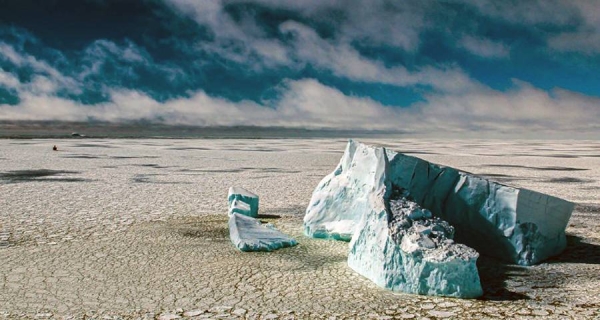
(47, 78)
(567, 26)
(484, 47)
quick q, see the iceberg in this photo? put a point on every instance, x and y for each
(515, 225)
(242, 201)
(404, 248)
(248, 234)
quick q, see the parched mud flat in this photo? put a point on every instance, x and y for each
(138, 229)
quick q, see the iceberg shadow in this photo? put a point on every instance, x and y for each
(268, 216)
(494, 274)
(578, 251)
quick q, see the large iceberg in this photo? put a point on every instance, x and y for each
(249, 234)
(243, 202)
(515, 225)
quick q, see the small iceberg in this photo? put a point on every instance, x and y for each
(243, 202)
(246, 232)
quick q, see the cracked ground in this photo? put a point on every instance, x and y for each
(114, 229)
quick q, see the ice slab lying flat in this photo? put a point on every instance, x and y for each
(406, 249)
(515, 225)
(248, 234)
(245, 196)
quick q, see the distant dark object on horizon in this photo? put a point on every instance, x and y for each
(75, 134)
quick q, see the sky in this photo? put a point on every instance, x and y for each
(447, 67)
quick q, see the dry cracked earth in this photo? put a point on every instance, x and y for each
(134, 229)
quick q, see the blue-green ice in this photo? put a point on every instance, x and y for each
(249, 234)
(243, 202)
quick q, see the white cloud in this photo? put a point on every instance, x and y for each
(484, 47)
(309, 104)
(245, 43)
(239, 41)
(586, 39)
(520, 110)
(345, 61)
(42, 68)
(9, 80)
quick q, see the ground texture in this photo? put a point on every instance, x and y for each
(138, 229)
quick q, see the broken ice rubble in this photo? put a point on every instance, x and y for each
(248, 234)
(406, 249)
(242, 201)
(355, 203)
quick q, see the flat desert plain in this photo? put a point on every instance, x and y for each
(119, 228)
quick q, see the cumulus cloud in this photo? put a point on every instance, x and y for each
(308, 103)
(521, 109)
(304, 103)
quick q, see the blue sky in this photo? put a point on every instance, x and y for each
(465, 67)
